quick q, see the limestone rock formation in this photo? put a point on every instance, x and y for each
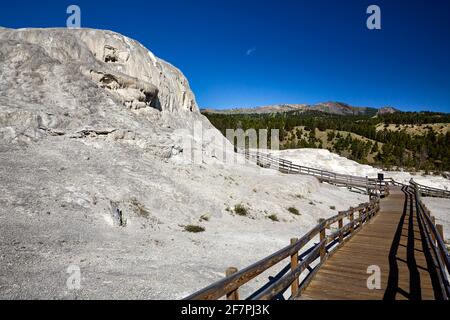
(111, 60)
(50, 81)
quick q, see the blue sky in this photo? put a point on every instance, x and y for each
(245, 53)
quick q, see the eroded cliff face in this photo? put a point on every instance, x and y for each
(68, 82)
(112, 61)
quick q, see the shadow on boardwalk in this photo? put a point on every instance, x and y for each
(394, 241)
(412, 224)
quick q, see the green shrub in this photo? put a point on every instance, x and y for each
(294, 211)
(194, 229)
(332, 207)
(273, 217)
(240, 210)
(139, 208)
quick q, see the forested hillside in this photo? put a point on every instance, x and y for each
(411, 140)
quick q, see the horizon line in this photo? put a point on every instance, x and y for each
(401, 109)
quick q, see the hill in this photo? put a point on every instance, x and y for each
(410, 140)
(337, 108)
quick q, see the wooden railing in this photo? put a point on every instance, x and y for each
(371, 186)
(434, 234)
(424, 190)
(392, 182)
(431, 192)
(324, 240)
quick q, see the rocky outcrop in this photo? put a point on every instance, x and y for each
(134, 93)
(77, 83)
(387, 110)
(117, 63)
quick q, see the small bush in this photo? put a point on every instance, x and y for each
(294, 211)
(240, 210)
(194, 229)
(320, 220)
(204, 218)
(312, 203)
(332, 207)
(139, 208)
(273, 217)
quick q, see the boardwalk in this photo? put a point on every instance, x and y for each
(395, 234)
(395, 242)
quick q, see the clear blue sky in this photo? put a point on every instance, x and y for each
(245, 53)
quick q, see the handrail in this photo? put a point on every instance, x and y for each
(395, 183)
(371, 185)
(435, 240)
(425, 190)
(290, 164)
(429, 191)
(281, 285)
(232, 283)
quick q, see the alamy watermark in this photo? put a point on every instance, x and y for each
(374, 20)
(199, 142)
(374, 280)
(74, 20)
(74, 280)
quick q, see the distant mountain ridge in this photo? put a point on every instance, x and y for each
(337, 108)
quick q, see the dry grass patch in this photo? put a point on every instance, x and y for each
(241, 210)
(139, 208)
(294, 211)
(194, 229)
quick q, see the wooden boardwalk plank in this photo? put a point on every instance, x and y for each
(393, 242)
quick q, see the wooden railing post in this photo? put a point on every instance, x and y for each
(323, 247)
(234, 295)
(440, 230)
(352, 219)
(433, 220)
(294, 264)
(341, 234)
